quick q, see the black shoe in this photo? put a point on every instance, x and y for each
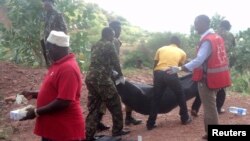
(194, 113)
(90, 139)
(101, 127)
(121, 133)
(151, 127)
(133, 121)
(188, 121)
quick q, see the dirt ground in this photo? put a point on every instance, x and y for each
(14, 79)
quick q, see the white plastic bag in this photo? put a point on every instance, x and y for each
(20, 99)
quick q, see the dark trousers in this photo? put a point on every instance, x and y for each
(161, 81)
(220, 99)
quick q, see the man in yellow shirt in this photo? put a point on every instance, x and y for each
(166, 57)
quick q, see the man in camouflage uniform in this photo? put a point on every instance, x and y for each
(116, 26)
(229, 41)
(53, 20)
(101, 86)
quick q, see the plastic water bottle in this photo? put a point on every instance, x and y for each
(238, 111)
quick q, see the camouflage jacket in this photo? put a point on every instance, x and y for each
(54, 21)
(228, 39)
(104, 59)
(117, 44)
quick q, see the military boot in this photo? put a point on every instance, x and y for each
(131, 120)
(101, 127)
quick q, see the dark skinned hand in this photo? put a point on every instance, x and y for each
(27, 94)
(30, 114)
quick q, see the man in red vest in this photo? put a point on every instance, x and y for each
(210, 69)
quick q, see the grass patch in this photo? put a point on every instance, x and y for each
(135, 71)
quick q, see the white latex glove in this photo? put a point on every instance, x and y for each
(173, 70)
(114, 73)
(123, 80)
(120, 80)
(20, 113)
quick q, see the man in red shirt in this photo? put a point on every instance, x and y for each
(58, 113)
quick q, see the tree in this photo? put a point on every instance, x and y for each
(21, 43)
(22, 40)
(215, 21)
(242, 51)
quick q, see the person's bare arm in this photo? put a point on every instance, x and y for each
(30, 94)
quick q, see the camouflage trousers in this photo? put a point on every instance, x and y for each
(99, 94)
(103, 108)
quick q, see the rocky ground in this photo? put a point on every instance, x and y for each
(14, 79)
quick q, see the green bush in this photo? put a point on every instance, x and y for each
(147, 48)
(22, 41)
(240, 85)
(140, 54)
(242, 51)
(241, 81)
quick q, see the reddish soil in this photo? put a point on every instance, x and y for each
(14, 79)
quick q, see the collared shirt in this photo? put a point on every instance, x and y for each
(63, 81)
(168, 56)
(54, 21)
(203, 53)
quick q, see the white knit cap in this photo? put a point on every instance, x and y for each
(58, 38)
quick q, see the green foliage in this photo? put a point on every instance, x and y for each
(152, 42)
(157, 40)
(80, 17)
(132, 35)
(215, 21)
(146, 50)
(240, 74)
(140, 54)
(85, 21)
(242, 51)
(22, 42)
(192, 42)
(241, 82)
(2, 2)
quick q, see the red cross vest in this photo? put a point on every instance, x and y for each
(215, 70)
